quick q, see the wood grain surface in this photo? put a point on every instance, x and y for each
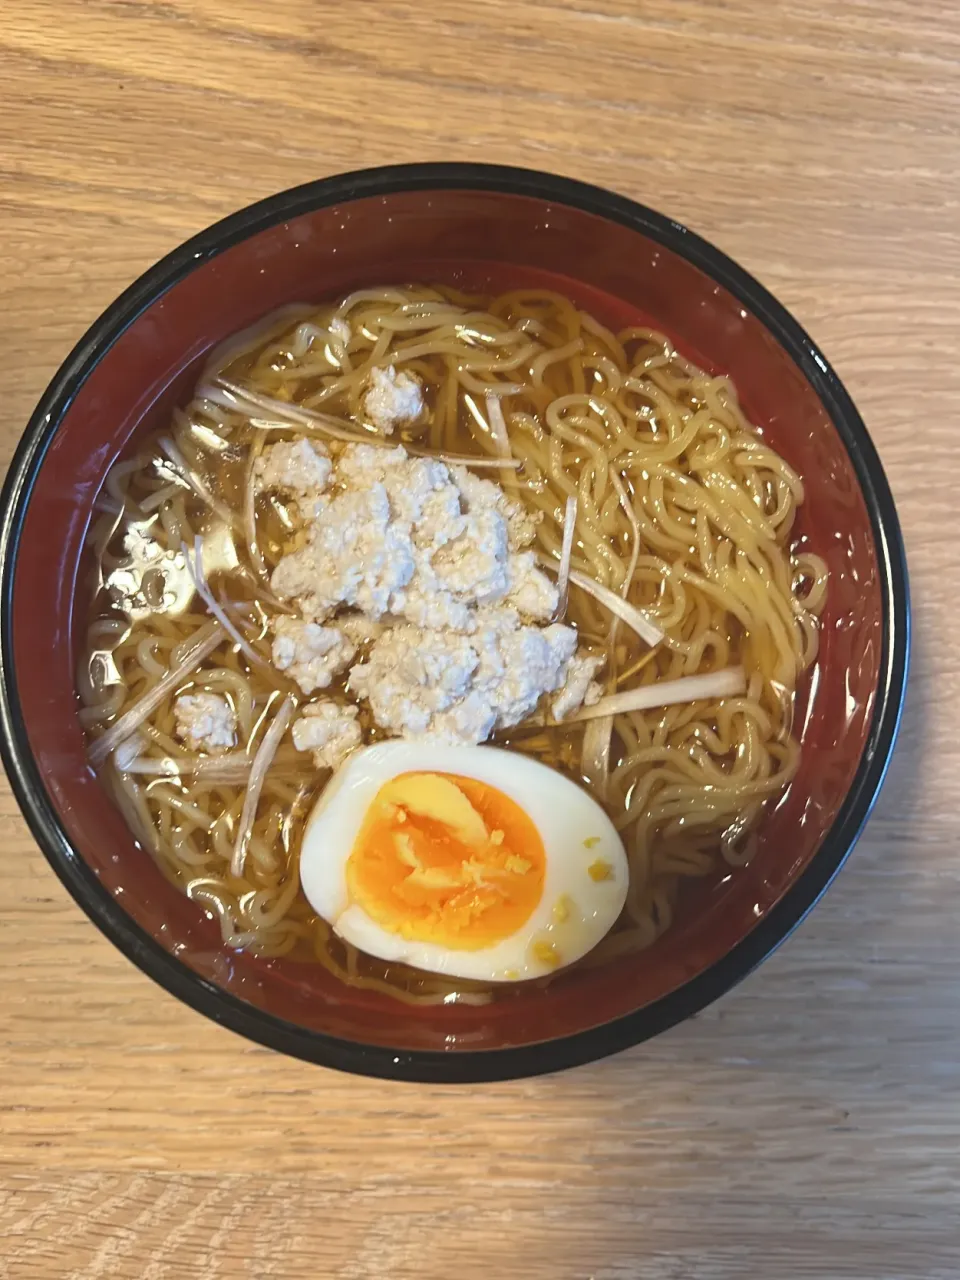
(806, 1126)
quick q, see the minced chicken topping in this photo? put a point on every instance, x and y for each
(428, 567)
(205, 721)
(295, 467)
(462, 687)
(310, 654)
(328, 730)
(392, 398)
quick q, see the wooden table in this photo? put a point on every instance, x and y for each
(808, 1125)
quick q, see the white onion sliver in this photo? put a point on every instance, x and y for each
(250, 511)
(465, 459)
(231, 768)
(181, 465)
(130, 721)
(195, 569)
(727, 683)
(566, 555)
(258, 771)
(232, 764)
(247, 400)
(498, 426)
(595, 753)
(632, 616)
(243, 401)
(637, 621)
(635, 552)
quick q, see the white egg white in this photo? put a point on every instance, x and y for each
(574, 829)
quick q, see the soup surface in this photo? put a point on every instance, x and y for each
(447, 519)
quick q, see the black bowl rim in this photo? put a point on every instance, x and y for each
(466, 1066)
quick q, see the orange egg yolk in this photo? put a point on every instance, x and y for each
(447, 860)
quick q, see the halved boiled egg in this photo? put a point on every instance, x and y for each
(467, 861)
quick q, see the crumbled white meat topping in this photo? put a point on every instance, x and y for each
(579, 689)
(310, 654)
(419, 489)
(460, 688)
(359, 629)
(294, 466)
(328, 730)
(478, 494)
(355, 554)
(407, 537)
(392, 398)
(530, 591)
(474, 566)
(205, 721)
(451, 607)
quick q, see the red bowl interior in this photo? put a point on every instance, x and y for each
(476, 239)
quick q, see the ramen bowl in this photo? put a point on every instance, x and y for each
(477, 227)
